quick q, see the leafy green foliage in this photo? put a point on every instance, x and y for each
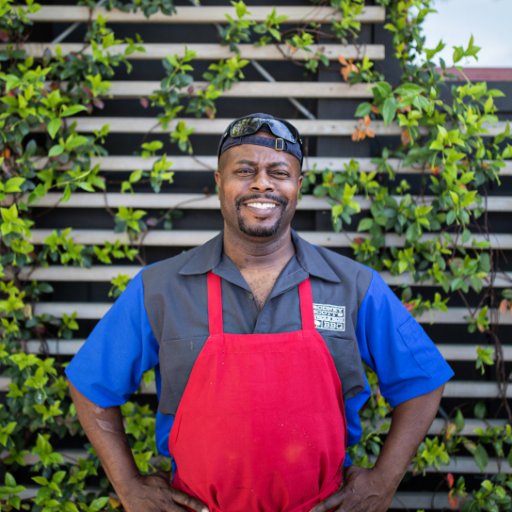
(443, 138)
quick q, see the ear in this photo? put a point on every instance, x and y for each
(218, 177)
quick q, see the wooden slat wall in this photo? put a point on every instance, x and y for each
(332, 103)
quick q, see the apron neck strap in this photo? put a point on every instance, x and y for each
(306, 305)
(215, 322)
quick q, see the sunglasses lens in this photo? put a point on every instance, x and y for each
(279, 129)
(250, 125)
(246, 126)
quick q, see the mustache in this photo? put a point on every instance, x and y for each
(255, 197)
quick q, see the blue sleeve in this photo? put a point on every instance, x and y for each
(396, 347)
(109, 366)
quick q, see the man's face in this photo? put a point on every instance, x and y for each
(258, 189)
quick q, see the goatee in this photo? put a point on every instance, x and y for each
(260, 231)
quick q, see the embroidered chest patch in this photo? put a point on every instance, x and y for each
(329, 317)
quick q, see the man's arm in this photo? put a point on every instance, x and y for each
(372, 490)
(138, 493)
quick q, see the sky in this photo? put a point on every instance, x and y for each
(490, 22)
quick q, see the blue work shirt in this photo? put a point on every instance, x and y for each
(160, 321)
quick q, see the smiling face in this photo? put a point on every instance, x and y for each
(258, 190)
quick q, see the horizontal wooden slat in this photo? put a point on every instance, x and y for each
(459, 352)
(54, 347)
(451, 352)
(205, 51)
(324, 90)
(473, 389)
(468, 465)
(461, 464)
(307, 127)
(191, 238)
(499, 280)
(204, 14)
(209, 163)
(211, 202)
(317, 128)
(439, 426)
(453, 389)
(94, 311)
(99, 273)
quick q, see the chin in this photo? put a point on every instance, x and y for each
(259, 231)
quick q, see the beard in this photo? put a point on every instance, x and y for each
(261, 231)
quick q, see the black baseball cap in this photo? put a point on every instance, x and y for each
(244, 129)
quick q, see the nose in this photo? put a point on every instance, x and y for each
(262, 182)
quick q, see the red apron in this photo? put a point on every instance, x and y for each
(261, 425)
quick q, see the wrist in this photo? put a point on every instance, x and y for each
(127, 484)
(389, 476)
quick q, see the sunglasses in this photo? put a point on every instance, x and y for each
(251, 125)
(245, 129)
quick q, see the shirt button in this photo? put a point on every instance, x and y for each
(251, 296)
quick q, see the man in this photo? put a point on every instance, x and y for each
(257, 339)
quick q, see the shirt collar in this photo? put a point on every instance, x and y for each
(312, 261)
(204, 258)
(210, 256)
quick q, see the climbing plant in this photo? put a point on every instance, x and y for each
(443, 139)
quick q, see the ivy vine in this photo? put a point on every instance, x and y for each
(442, 138)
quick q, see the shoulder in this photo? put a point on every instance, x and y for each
(344, 266)
(171, 266)
(196, 261)
(329, 265)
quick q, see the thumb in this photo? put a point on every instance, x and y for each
(189, 501)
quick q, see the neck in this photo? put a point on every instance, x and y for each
(258, 252)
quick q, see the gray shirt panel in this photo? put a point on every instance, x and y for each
(175, 298)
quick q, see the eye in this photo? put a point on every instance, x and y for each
(280, 173)
(244, 171)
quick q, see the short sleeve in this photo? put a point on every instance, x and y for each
(109, 366)
(396, 347)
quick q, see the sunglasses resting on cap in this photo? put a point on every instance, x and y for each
(244, 129)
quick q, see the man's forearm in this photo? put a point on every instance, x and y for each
(372, 490)
(410, 423)
(104, 429)
(138, 493)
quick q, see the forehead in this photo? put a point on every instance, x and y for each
(259, 155)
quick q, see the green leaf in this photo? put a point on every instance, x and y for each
(409, 89)
(56, 150)
(480, 410)
(75, 141)
(481, 457)
(459, 420)
(98, 504)
(9, 480)
(381, 90)
(135, 176)
(54, 126)
(365, 224)
(458, 53)
(41, 480)
(14, 185)
(240, 8)
(72, 110)
(153, 146)
(363, 109)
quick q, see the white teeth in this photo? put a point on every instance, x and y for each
(263, 206)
